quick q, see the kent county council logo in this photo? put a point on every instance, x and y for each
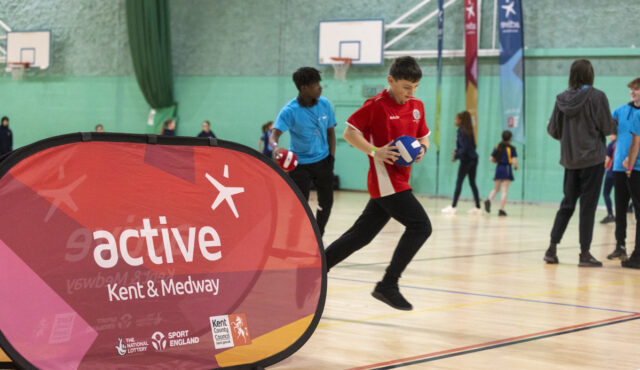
(229, 331)
(416, 114)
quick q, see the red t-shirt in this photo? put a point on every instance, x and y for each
(381, 120)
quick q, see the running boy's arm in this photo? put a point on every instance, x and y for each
(423, 149)
(387, 154)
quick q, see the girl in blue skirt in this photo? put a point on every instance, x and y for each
(506, 159)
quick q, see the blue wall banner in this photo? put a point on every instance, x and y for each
(512, 67)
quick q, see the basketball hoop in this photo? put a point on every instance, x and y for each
(340, 67)
(17, 69)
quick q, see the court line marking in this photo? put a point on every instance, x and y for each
(443, 278)
(495, 300)
(352, 265)
(519, 298)
(497, 343)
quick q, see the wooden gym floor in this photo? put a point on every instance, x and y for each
(483, 298)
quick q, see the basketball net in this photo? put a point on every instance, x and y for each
(17, 69)
(340, 68)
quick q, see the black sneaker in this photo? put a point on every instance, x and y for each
(620, 253)
(550, 257)
(587, 260)
(630, 264)
(607, 220)
(502, 213)
(487, 206)
(391, 296)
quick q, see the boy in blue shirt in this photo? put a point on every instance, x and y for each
(631, 164)
(310, 120)
(625, 114)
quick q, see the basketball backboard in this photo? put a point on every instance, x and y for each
(33, 47)
(362, 40)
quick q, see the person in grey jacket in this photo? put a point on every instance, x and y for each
(581, 120)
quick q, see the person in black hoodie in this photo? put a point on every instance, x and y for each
(466, 153)
(580, 120)
(6, 137)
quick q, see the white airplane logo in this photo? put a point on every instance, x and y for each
(509, 9)
(62, 195)
(470, 12)
(225, 193)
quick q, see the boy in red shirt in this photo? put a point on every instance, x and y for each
(371, 129)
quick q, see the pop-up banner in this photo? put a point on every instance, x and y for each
(137, 251)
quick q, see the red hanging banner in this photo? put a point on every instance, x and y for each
(471, 61)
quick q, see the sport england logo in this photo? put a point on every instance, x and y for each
(230, 331)
(159, 341)
(416, 114)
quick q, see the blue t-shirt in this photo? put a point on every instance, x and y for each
(308, 129)
(628, 117)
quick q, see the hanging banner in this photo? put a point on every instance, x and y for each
(471, 61)
(439, 80)
(512, 67)
(138, 251)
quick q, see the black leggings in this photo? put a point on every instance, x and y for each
(467, 168)
(606, 193)
(405, 208)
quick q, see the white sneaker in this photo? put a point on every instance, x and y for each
(474, 211)
(450, 210)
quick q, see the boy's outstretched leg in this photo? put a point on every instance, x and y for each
(406, 209)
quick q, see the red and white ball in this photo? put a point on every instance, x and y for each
(287, 160)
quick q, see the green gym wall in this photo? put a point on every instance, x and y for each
(232, 62)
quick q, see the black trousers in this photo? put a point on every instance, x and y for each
(405, 208)
(606, 194)
(467, 168)
(583, 184)
(321, 173)
(626, 188)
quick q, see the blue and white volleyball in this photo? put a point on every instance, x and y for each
(409, 149)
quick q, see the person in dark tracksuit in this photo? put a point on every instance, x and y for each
(6, 137)
(580, 120)
(466, 153)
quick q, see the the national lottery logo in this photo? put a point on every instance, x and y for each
(159, 341)
(230, 331)
(416, 114)
(121, 348)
